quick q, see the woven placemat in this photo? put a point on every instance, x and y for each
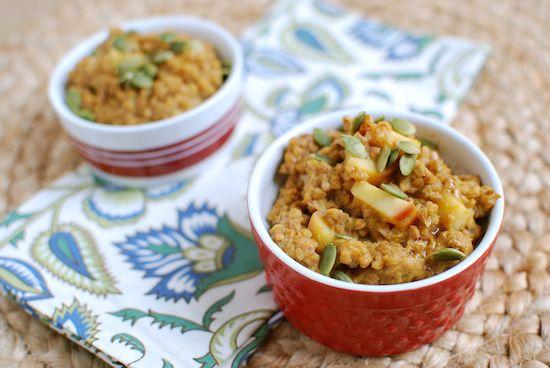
(508, 321)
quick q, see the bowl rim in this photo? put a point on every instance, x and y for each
(56, 85)
(259, 171)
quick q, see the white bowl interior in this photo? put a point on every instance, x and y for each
(164, 132)
(459, 152)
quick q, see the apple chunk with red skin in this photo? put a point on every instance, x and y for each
(395, 210)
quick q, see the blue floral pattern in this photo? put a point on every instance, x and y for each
(77, 319)
(271, 63)
(325, 94)
(70, 253)
(20, 279)
(407, 47)
(113, 205)
(328, 9)
(205, 250)
(311, 41)
(396, 44)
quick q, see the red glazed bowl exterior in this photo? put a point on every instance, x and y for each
(372, 320)
(369, 323)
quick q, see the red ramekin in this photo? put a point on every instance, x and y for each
(165, 150)
(372, 320)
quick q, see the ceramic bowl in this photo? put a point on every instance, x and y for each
(372, 320)
(167, 149)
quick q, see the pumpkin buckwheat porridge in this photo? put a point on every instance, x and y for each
(373, 204)
(135, 78)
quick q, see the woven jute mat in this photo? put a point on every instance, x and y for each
(507, 323)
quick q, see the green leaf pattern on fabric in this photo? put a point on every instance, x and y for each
(214, 308)
(130, 314)
(130, 341)
(224, 341)
(13, 217)
(166, 364)
(172, 322)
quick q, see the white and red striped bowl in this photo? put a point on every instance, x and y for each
(167, 149)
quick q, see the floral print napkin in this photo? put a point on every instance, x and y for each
(169, 276)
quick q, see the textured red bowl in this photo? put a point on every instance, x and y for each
(372, 319)
(164, 150)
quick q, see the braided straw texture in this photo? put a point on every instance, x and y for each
(507, 324)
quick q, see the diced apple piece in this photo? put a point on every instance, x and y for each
(394, 210)
(379, 177)
(453, 214)
(321, 231)
(396, 137)
(368, 166)
(361, 164)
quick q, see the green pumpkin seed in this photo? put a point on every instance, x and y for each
(150, 69)
(73, 100)
(196, 46)
(125, 77)
(357, 121)
(354, 146)
(322, 158)
(121, 44)
(141, 80)
(406, 164)
(344, 236)
(328, 258)
(426, 142)
(393, 156)
(321, 138)
(402, 126)
(342, 276)
(131, 63)
(379, 119)
(178, 46)
(226, 70)
(408, 147)
(382, 159)
(162, 56)
(448, 254)
(394, 191)
(86, 114)
(168, 37)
